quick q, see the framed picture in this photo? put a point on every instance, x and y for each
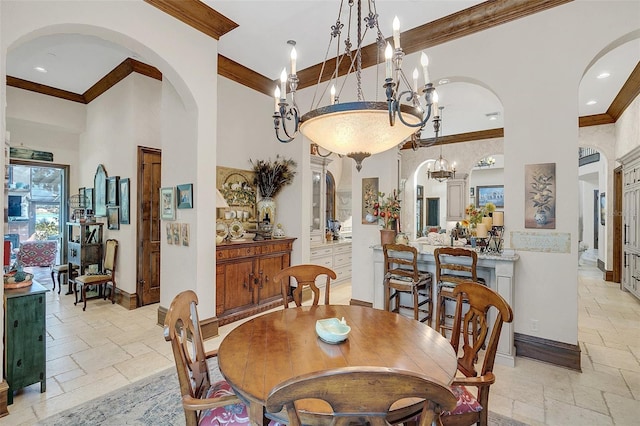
(472, 192)
(112, 191)
(113, 217)
(169, 233)
(369, 198)
(88, 198)
(168, 203)
(82, 200)
(490, 194)
(540, 196)
(124, 201)
(185, 196)
(184, 234)
(100, 191)
(603, 208)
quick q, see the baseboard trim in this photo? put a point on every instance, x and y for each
(127, 300)
(4, 395)
(608, 276)
(551, 351)
(209, 326)
(356, 302)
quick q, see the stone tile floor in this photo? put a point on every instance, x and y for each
(106, 347)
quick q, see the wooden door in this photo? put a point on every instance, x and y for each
(148, 223)
(617, 224)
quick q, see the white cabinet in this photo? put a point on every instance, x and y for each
(630, 222)
(456, 199)
(318, 198)
(333, 255)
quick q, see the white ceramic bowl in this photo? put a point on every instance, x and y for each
(332, 330)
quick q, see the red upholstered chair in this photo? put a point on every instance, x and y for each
(472, 390)
(204, 403)
(38, 253)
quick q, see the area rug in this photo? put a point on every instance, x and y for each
(154, 401)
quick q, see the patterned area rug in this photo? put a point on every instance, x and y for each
(154, 401)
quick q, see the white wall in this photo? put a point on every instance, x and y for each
(117, 122)
(540, 102)
(192, 72)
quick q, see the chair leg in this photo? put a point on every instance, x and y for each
(415, 305)
(387, 296)
(113, 291)
(84, 297)
(75, 290)
(54, 281)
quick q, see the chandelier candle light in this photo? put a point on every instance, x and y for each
(357, 128)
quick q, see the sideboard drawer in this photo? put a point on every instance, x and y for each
(320, 252)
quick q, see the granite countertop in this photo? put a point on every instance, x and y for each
(332, 243)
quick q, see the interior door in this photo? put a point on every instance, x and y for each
(148, 223)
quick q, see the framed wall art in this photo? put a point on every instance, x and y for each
(490, 194)
(603, 208)
(540, 196)
(168, 203)
(88, 198)
(113, 217)
(112, 191)
(238, 189)
(369, 198)
(185, 196)
(124, 201)
(100, 191)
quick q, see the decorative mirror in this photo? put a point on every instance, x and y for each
(100, 192)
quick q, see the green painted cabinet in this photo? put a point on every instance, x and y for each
(25, 338)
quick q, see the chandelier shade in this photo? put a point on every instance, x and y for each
(364, 127)
(355, 128)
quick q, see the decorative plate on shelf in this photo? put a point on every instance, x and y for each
(222, 230)
(236, 230)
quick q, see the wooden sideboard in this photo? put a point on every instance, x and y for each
(243, 277)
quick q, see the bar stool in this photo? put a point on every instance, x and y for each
(458, 266)
(401, 275)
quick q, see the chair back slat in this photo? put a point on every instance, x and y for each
(304, 275)
(462, 262)
(401, 260)
(361, 395)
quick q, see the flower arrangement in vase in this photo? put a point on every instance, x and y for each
(387, 209)
(475, 215)
(270, 178)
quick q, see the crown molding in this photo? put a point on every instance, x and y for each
(196, 14)
(116, 75)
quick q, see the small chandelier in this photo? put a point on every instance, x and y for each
(486, 162)
(442, 170)
(359, 128)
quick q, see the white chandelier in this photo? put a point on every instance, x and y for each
(360, 128)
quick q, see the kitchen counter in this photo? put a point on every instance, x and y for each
(498, 270)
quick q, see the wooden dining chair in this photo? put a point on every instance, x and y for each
(401, 275)
(453, 266)
(360, 395)
(304, 275)
(204, 403)
(473, 406)
(102, 278)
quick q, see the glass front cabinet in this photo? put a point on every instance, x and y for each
(318, 198)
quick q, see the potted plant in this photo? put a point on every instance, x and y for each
(270, 178)
(387, 209)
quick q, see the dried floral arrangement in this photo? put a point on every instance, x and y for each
(271, 176)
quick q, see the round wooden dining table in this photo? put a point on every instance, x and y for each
(271, 348)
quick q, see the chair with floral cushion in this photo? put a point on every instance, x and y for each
(204, 403)
(473, 407)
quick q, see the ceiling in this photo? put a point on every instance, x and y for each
(76, 62)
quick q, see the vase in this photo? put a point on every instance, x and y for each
(387, 236)
(267, 210)
(540, 217)
(402, 238)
